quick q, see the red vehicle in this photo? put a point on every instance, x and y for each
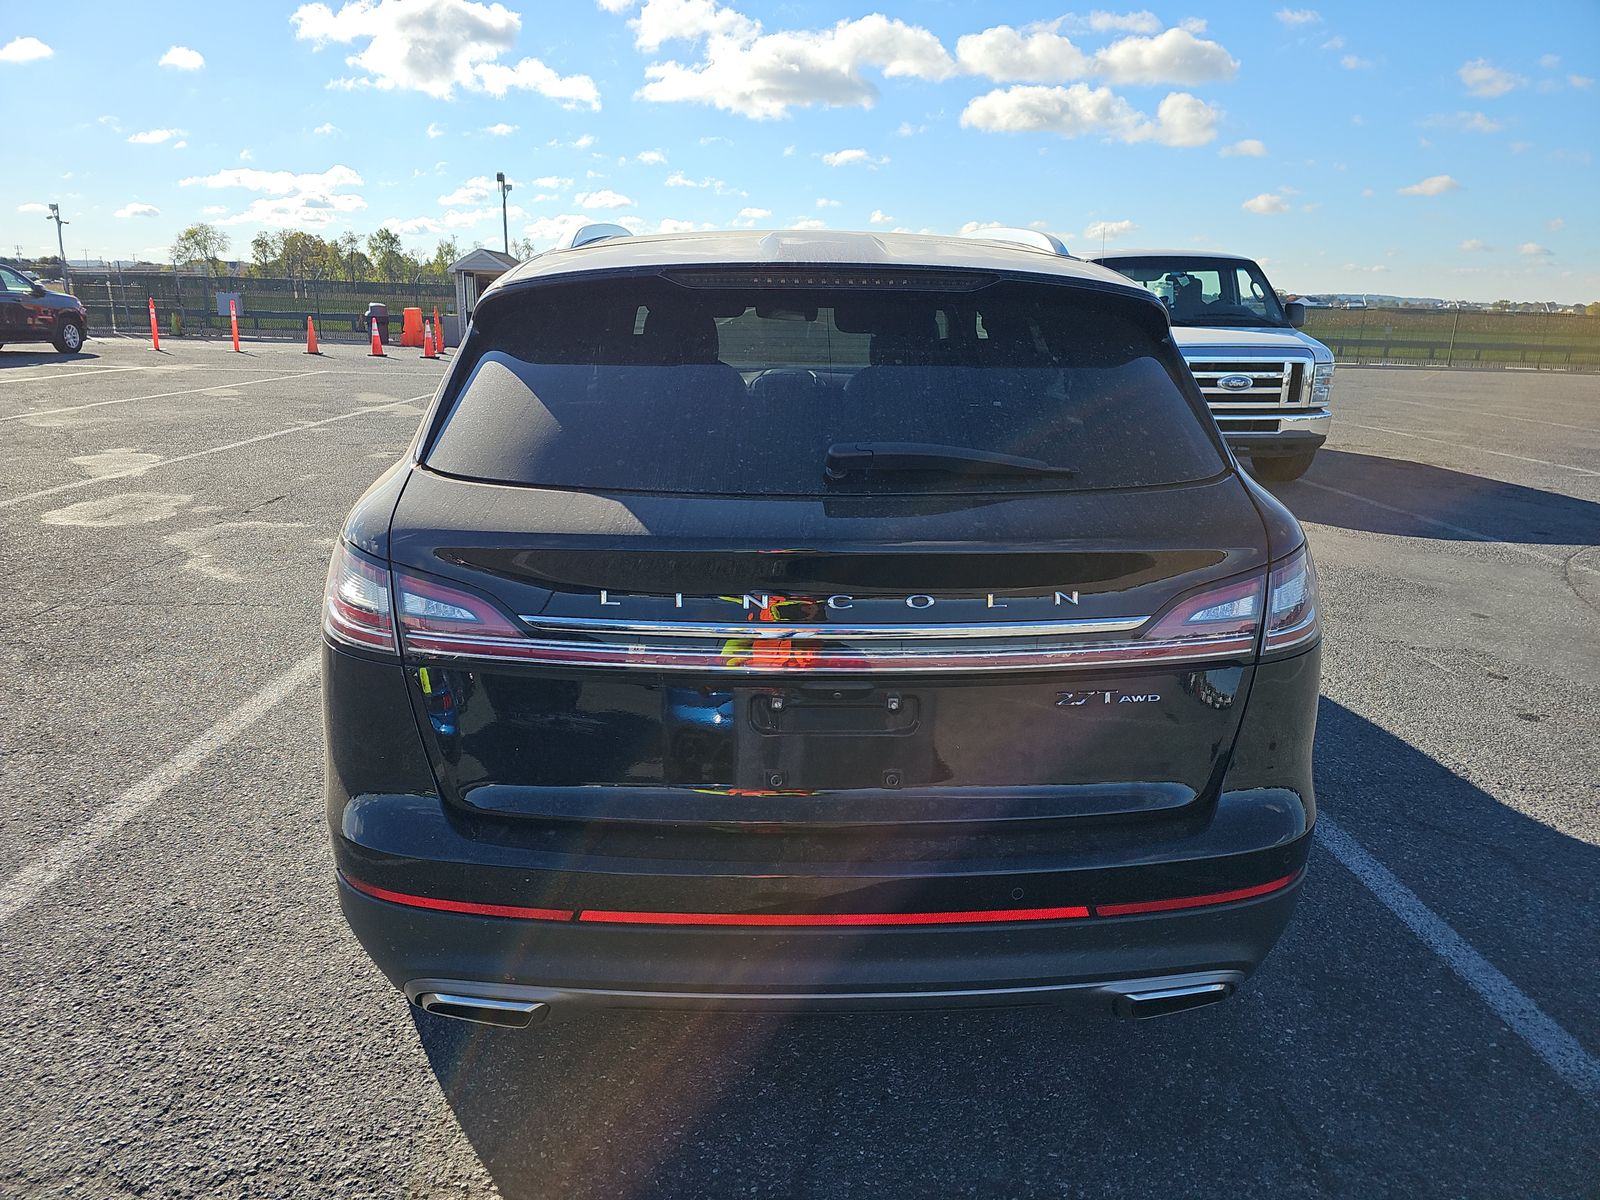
(31, 312)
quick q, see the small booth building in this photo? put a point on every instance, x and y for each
(471, 274)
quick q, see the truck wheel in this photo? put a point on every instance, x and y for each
(69, 337)
(1282, 469)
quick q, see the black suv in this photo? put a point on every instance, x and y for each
(818, 620)
(30, 312)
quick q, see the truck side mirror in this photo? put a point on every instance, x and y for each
(1296, 312)
(39, 289)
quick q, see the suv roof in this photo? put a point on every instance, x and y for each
(1108, 255)
(815, 247)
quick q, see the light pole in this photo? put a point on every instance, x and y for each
(61, 245)
(505, 190)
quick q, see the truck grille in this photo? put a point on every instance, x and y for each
(1272, 381)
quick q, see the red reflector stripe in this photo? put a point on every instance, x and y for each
(460, 906)
(1150, 906)
(835, 919)
(818, 920)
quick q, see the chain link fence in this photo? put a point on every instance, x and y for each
(1548, 341)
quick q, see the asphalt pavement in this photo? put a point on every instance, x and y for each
(185, 1013)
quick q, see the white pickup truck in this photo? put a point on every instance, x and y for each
(1266, 382)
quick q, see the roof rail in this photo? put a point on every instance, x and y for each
(583, 235)
(1033, 239)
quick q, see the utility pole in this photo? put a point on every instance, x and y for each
(61, 245)
(505, 228)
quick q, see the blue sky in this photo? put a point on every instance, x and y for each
(1413, 148)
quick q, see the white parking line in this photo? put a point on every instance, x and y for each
(9, 378)
(1462, 530)
(167, 462)
(26, 885)
(47, 412)
(1498, 416)
(1562, 1052)
(1543, 462)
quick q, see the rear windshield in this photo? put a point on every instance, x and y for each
(643, 384)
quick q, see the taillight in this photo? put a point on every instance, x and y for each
(355, 603)
(1232, 610)
(434, 617)
(1292, 602)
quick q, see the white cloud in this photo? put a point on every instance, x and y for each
(136, 209)
(1176, 56)
(154, 137)
(551, 182)
(1556, 224)
(552, 229)
(436, 46)
(809, 223)
(1433, 185)
(1195, 25)
(1550, 61)
(1466, 122)
(1533, 250)
(1336, 42)
(1133, 22)
(474, 191)
(1181, 119)
(1266, 204)
(1248, 148)
(501, 129)
(764, 75)
(673, 225)
(1475, 245)
(1581, 81)
(755, 214)
(435, 130)
(879, 217)
(1354, 62)
(1483, 78)
(288, 200)
(32, 207)
(326, 129)
(852, 158)
(1041, 54)
(180, 145)
(1037, 54)
(824, 202)
(1107, 231)
(1298, 16)
(654, 158)
(411, 225)
(24, 49)
(616, 6)
(604, 198)
(661, 21)
(213, 210)
(907, 129)
(181, 58)
(971, 227)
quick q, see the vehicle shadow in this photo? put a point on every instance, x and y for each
(1308, 1083)
(10, 357)
(1417, 500)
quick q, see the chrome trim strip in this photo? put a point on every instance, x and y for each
(781, 632)
(837, 661)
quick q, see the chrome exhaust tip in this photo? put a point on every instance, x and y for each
(1161, 1002)
(483, 1010)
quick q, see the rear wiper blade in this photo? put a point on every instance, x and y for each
(847, 457)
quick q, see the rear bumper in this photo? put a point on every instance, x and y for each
(1088, 965)
(1296, 433)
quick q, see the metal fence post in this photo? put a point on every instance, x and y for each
(1450, 354)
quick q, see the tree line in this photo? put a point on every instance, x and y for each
(306, 258)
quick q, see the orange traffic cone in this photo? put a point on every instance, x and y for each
(438, 330)
(311, 338)
(377, 346)
(428, 350)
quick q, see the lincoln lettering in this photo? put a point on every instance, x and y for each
(756, 601)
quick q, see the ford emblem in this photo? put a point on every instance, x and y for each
(1236, 383)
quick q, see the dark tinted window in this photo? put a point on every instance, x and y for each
(642, 384)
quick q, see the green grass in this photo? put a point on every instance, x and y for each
(1555, 341)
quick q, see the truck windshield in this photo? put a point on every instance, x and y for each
(643, 384)
(1207, 291)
